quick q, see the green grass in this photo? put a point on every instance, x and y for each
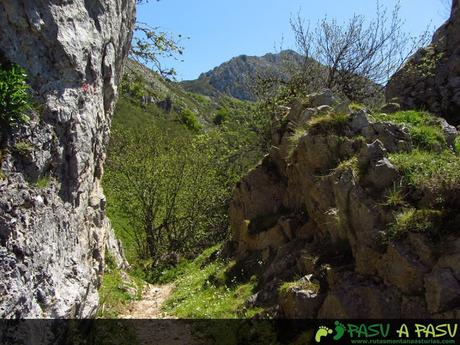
(122, 227)
(457, 145)
(395, 197)
(425, 131)
(294, 139)
(42, 182)
(414, 220)
(200, 291)
(130, 115)
(428, 137)
(426, 170)
(409, 117)
(23, 148)
(327, 124)
(351, 163)
(115, 293)
(285, 287)
(356, 106)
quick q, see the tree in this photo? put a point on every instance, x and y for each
(150, 45)
(355, 59)
(359, 57)
(169, 184)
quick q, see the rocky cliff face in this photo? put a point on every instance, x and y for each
(53, 231)
(431, 78)
(332, 204)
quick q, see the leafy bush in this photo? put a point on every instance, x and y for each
(135, 88)
(222, 115)
(189, 119)
(14, 97)
(187, 176)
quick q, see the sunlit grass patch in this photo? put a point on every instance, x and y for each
(116, 291)
(426, 170)
(413, 220)
(425, 130)
(327, 124)
(199, 293)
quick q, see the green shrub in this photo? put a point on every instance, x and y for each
(189, 119)
(14, 97)
(222, 115)
(134, 86)
(457, 145)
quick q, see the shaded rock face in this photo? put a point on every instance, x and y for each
(53, 231)
(431, 78)
(316, 207)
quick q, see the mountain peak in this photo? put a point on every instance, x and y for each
(233, 78)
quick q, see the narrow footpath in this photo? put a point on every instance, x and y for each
(166, 330)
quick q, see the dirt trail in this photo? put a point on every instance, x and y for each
(149, 306)
(164, 330)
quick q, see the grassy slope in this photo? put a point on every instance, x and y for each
(201, 290)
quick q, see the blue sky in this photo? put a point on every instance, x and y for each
(222, 29)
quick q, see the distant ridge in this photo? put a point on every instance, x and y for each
(232, 78)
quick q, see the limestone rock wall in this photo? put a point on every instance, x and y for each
(53, 231)
(431, 78)
(316, 207)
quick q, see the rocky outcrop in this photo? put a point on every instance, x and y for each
(431, 78)
(321, 206)
(53, 231)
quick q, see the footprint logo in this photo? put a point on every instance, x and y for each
(322, 332)
(339, 330)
